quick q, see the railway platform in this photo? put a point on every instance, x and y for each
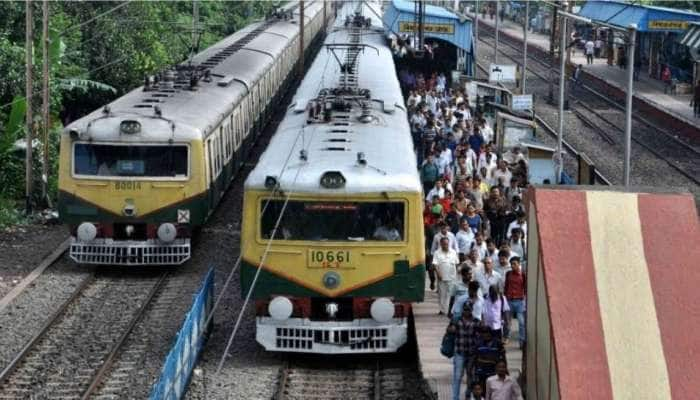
(648, 92)
(435, 368)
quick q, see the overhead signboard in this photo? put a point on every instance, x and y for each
(502, 73)
(522, 102)
(405, 26)
(668, 25)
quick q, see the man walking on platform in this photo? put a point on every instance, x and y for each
(515, 291)
(445, 261)
(590, 49)
(502, 386)
(465, 330)
(696, 100)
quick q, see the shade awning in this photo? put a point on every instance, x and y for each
(691, 38)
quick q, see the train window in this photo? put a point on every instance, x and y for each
(133, 160)
(335, 221)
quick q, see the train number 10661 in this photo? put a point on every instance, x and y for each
(329, 259)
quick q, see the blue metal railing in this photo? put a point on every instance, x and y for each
(180, 362)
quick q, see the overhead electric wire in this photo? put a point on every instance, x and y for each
(272, 236)
(72, 27)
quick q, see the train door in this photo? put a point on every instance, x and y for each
(211, 167)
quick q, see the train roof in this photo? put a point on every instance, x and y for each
(333, 147)
(190, 114)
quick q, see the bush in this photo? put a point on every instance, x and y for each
(9, 213)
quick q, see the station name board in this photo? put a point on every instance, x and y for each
(432, 28)
(668, 25)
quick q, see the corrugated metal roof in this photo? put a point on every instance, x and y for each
(692, 36)
(623, 14)
(404, 11)
(430, 10)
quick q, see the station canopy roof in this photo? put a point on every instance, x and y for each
(647, 18)
(692, 36)
(439, 23)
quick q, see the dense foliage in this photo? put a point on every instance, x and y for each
(99, 50)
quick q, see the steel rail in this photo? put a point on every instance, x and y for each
(109, 360)
(552, 132)
(16, 361)
(607, 137)
(596, 94)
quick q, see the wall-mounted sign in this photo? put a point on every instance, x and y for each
(522, 102)
(502, 73)
(405, 26)
(668, 25)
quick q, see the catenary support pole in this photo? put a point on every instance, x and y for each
(301, 40)
(628, 103)
(562, 85)
(29, 48)
(45, 123)
(526, 25)
(495, 43)
(475, 46)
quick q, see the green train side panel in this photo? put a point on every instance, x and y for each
(74, 210)
(405, 285)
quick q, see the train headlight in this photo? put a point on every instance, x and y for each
(130, 127)
(382, 310)
(87, 232)
(167, 232)
(280, 308)
(331, 280)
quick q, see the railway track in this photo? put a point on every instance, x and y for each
(606, 117)
(70, 355)
(600, 178)
(364, 380)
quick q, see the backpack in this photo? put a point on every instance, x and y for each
(447, 347)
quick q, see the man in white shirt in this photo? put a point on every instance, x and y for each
(487, 276)
(444, 233)
(502, 386)
(465, 238)
(474, 296)
(590, 48)
(503, 266)
(518, 223)
(486, 131)
(501, 174)
(473, 260)
(387, 232)
(480, 246)
(445, 261)
(437, 190)
(492, 251)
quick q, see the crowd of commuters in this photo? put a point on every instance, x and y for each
(475, 230)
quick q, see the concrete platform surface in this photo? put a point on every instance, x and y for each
(436, 369)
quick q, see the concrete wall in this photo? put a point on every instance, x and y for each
(540, 368)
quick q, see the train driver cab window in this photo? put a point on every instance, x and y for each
(333, 221)
(106, 160)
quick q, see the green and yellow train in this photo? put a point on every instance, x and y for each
(333, 244)
(139, 176)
